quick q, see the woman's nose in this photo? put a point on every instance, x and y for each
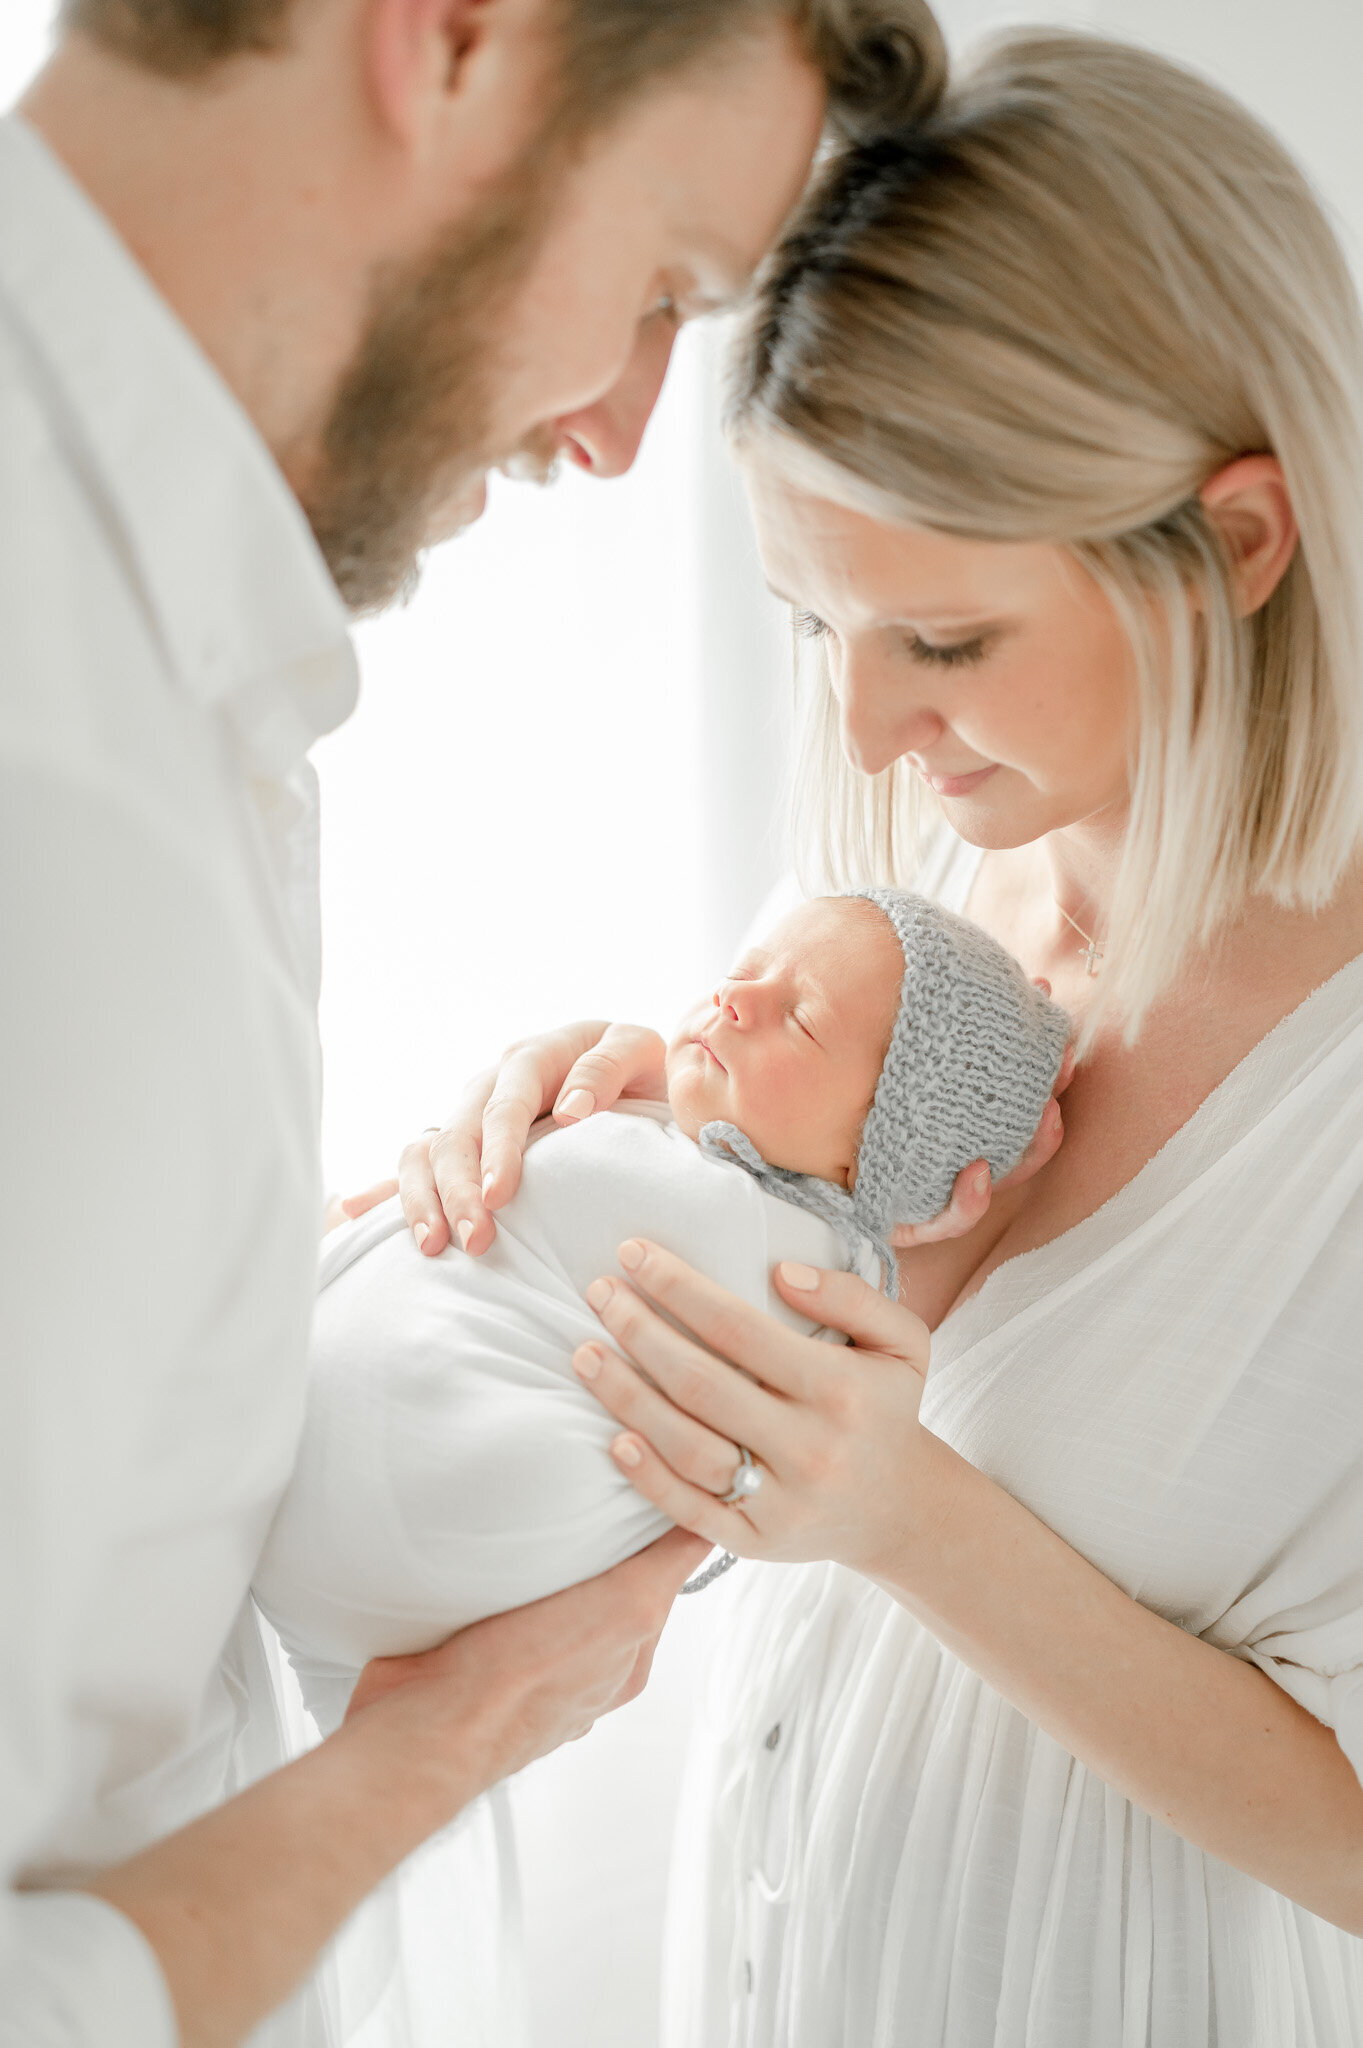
(881, 716)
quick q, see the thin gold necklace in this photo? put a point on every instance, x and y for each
(1090, 949)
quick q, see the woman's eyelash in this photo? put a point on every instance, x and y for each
(960, 654)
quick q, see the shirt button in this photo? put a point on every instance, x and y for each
(772, 1737)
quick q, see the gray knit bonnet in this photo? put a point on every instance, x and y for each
(973, 1058)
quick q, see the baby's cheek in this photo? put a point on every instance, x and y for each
(688, 1098)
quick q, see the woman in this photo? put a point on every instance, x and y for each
(1048, 1731)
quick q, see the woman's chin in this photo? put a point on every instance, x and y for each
(997, 826)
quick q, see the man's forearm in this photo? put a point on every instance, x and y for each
(238, 1904)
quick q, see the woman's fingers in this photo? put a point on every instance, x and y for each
(702, 1443)
(439, 1177)
(359, 1205)
(1045, 1144)
(628, 1059)
(969, 1201)
(770, 1353)
(726, 1325)
(452, 1180)
(973, 1190)
(840, 1301)
(691, 1507)
(420, 1202)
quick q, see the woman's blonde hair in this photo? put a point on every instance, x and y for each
(1052, 311)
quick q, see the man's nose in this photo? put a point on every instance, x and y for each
(605, 436)
(881, 718)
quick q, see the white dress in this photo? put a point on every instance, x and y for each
(876, 1848)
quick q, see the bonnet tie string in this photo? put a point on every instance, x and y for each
(833, 1205)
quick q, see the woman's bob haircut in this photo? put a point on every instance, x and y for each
(1051, 310)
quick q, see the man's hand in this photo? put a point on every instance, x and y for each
(522, 1683)
(238, 1905)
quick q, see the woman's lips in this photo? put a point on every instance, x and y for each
(709, 1050)
(957, 785)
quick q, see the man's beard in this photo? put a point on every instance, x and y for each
(409, 434)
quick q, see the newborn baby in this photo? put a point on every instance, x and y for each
(452, 1465)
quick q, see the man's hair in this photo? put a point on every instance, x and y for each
(885, 60)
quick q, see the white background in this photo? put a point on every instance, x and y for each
(557, 799)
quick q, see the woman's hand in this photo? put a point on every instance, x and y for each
(849, 1473)
(452, 1179)
(971, 1196)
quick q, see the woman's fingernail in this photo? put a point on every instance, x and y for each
(464, 1233)
(420, 1233)
(587, 1362)
(487, 1185)
(577, 1104)
(979, 1181)
(599, 1293)
(631, 1255)
(806, 1278)
(627, 1452)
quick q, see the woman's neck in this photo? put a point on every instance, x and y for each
(1028, 895)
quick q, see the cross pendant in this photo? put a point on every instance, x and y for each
(1092, 953)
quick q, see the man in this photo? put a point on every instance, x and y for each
(280, 280)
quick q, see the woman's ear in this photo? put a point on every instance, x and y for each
(1248, 504)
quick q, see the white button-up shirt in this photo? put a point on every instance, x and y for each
(170, 646)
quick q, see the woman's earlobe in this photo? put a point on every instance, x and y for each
(1249, 505)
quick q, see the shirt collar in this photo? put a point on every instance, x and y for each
(251, 621)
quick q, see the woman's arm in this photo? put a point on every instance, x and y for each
(1197, 1737)
(237, 1905)
(452, 1180)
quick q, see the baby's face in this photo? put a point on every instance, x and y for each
(790, 1047)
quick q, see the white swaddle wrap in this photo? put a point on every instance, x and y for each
(452, 1465)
